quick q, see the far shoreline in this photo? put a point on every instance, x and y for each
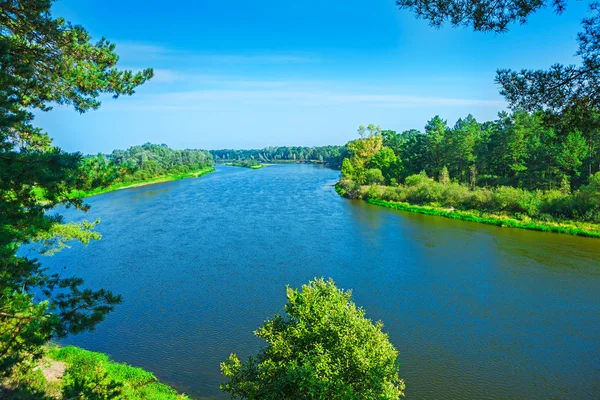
(151, 181)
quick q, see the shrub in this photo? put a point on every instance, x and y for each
(373, 176)
(324, 349)
(418, 179)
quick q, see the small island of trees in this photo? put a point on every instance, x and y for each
(252, 164)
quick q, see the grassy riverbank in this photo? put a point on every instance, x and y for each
(143, 182)
(376, 195)
(70, 372)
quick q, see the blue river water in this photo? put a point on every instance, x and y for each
(476, 311)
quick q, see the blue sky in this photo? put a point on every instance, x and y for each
(249, 74)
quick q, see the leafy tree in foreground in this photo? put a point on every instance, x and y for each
(324, 348)
(45, 60)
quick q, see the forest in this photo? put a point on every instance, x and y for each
(332, 156)
(140, 163)
(525, 164)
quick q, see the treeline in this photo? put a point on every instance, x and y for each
(139, 163)
(532, 165)
(529, 150)
(332, 156)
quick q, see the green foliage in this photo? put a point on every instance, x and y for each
(252, 164)
(489, 219)
(557, 206)
(370, 130)
(331, 156)
(151, 160)
(46, 60)
(88, 375)
(529, 150)
(127, 181)
(373, 176)
(444, 176)
(325, 348)
(347, 169)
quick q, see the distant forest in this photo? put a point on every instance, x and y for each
(332, 156)
(140, 163)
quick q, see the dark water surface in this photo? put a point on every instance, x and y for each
(477, 312)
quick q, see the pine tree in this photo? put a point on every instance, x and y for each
(45, 60)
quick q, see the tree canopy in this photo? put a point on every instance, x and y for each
(44, 61)
(531, 164)
(330, 155)
(324, 348)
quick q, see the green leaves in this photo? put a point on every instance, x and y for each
(324, 347)
(46, 61)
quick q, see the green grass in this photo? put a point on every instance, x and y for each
(87, 369)
(484, 218)
(397, 197)
(86, 375)
(156, 179)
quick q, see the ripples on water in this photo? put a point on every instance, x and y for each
(476, 311)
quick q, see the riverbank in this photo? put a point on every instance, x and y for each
(143, 182)
(71, 372)
(512, 220)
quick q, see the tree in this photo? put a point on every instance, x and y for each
(559, 88)
(436, 141)
(387, 163)
(462, 145)
(444, 177)
(370, 130)
(45, 60)
(347, 169)
(573, 150)
(325, 348)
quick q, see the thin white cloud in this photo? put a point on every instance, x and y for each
(257, 58)
(209, 99)
(143, 50)
(147, 51)
(198, 79)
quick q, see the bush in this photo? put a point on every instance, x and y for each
(457, 195)
(582, 205)
(418, 179)
(324, 349)
(373, 176)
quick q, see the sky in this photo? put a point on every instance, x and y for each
(252, 74)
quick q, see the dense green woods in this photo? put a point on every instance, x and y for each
(330, 155)
(526, 165)
(526, 150)
(141, 163)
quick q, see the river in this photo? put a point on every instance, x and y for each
(476, 311)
